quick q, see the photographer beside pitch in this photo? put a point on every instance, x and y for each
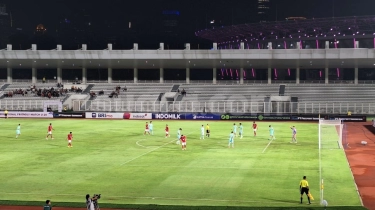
(92, 203)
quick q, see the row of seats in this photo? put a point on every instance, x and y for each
(134, 92)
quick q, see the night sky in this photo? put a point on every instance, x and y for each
(194, 13)
(147, 19)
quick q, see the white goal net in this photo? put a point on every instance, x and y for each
(330, 138)
(330, 134)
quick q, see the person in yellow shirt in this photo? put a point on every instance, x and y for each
(208, 131)
(304, 188)
(6, 114)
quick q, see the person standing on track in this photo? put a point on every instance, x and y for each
(47, 206)
(6, 114)
(304, 188)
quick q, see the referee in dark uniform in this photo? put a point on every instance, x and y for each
(304, 188)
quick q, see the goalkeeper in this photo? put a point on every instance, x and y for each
(304, 188)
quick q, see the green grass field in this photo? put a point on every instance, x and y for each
(115, 159)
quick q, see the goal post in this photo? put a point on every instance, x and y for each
(331, 134)
(330, 138)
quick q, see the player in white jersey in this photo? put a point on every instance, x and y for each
(202, 132)
(231, 140)
(294, 134)
(151, 128)
(18, 130)
(234, 129)
(241, 130)
(179, 136)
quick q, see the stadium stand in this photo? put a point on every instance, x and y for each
(318, 98)
(332, 93)
(145, 94)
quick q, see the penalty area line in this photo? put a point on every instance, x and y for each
(267, 146)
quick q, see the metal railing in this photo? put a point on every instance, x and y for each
(229, 82)
(226, 107)
(199, 106)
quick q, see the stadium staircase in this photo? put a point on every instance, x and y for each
(180, 97)
(175, 88)
(66, 98)
(4, 87)
(88, 89)
(282, 90)
(160, 97)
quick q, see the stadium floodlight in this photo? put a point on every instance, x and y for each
(330, 134)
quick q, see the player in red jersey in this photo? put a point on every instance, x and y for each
(167, 131)
(70, 138)
(147, 129)
(50, 129)
(183, 142)
(255, 127)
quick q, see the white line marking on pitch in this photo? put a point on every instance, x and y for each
(200, 167)
(149, 151)
(162, 198)
(267, 146)
(141, 144)
(153, 198)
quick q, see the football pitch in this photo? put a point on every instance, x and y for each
(113, 158)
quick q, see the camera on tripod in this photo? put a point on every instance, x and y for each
(95, 201)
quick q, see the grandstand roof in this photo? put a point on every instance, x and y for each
(195, 59)
(309, 29)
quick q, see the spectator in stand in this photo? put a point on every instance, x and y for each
(44, 79)
(92, 94)
(101, 92)
(118, 88)
(113, 95)
(125, 89)
(183, 92)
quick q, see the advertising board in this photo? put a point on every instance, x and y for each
(345, 118)
(12, 114)
(168, 116)
(102, 115)
(202, 116)
(254, 117)
(137, 116)
(69, 115)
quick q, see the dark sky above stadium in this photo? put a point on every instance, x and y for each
(194, 13)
